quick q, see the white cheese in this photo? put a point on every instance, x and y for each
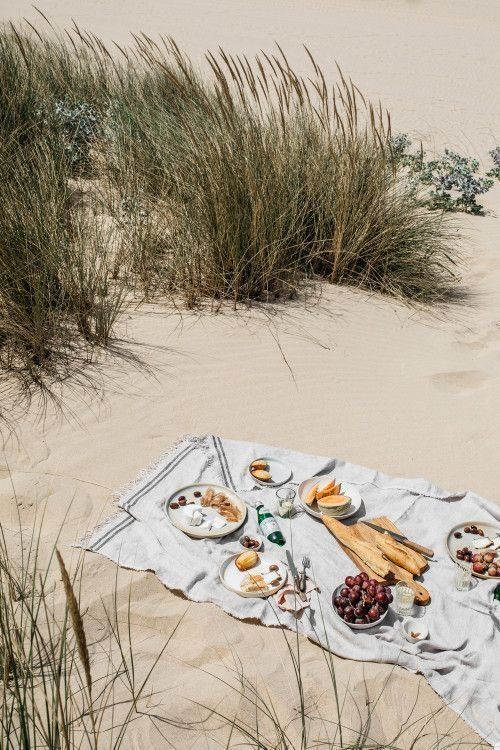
(190, 510)
(196, 519)
(218, 523)
(496, 542)
(482, 543)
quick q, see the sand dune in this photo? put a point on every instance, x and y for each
(366, 379)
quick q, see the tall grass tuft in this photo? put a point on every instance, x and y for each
(54, 693)
(234, 186)
(264, 179)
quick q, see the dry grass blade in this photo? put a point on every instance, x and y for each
(77, 623)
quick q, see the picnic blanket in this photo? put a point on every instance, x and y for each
(460, 659)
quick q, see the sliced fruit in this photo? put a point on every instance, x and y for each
(312, 494)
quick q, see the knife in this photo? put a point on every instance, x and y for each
(296, 577)
(402, 539)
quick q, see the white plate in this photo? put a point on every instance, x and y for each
(231, 577)
(348, 489)
(280, 471)
(353, 625)
(490, 530)
(179, 519)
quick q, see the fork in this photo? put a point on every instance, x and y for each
(306, 563)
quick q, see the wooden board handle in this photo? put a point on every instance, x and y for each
(422, 596)
(419, 548)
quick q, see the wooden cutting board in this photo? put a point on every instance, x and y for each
(362, 532)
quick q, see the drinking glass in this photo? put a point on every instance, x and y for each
(463, 577)
(404, 597)
(286, 498)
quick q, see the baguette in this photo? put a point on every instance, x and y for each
(366, 553)
(397, 554)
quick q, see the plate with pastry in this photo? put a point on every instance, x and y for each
(252, 574)
(203, 511)
(329, 496)
(270, 472)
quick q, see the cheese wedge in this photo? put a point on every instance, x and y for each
(496, 543)
(482, 543)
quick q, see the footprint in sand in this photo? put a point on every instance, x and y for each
(458, 381)
(480, 339)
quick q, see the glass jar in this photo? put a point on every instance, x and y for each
(404, 596)
(286, 501)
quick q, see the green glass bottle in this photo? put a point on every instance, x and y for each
(269, 526)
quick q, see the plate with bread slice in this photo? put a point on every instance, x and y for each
(251, 574)
(330, 497)
(268, 471)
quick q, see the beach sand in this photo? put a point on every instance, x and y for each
(362, 378)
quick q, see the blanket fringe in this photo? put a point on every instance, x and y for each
(131, 487)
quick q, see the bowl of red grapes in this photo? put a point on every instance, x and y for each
(361, 601)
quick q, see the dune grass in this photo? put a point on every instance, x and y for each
(65, 685)
(238, 185)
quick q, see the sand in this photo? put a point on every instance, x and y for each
(362, 378)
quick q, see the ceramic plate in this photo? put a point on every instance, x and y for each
(491, 530)
(180, 519)
(352, 625)
(231, 577)
(347, 489)
(280, 471)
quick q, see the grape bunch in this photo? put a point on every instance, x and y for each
(362, 600)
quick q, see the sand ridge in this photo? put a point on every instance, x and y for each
(366, 379)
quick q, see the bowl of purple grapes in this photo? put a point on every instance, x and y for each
(361, 601)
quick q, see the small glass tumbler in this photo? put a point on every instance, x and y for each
(404, 597)
(463, 577)
(286, 499)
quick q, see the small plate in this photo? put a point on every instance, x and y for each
(313, 509)
(280, 471)
(415, 626)
(352, 625)
(179, 519)
(231, 577)
(490, 530)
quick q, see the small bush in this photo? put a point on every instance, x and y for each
(453, 180)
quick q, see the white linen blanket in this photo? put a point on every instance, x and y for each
(460, 659)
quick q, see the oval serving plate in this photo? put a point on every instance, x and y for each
(352, 625)
(231, 577)
(313, 509)
(180, 520)
(279, 470)
(491, 530)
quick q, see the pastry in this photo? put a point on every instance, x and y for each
(261, 474)
(259, 464)
(247, 560)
